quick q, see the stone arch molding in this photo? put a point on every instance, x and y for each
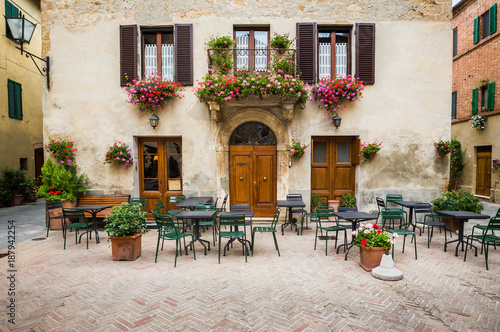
(224, 133)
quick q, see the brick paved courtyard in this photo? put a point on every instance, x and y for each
(303, 290)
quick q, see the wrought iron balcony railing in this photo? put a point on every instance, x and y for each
(235, 61)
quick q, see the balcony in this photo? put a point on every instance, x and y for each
(237, 61)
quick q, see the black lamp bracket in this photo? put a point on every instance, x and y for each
(45, 71)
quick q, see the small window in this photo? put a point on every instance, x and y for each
(252, 44)
(174, 164)
(15, 100)
(455, 42)
(484, 96)
(319, 152)
(454, 105)
(343, 152)
(485, 20)
(23, 164)
(333, 52)
(158, 53)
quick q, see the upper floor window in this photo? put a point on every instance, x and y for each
(455, 42)
(15, 100)
(166, 51)
(486, 24)
(251, 46)
(333, 52)
(158, 53)
(10, 11)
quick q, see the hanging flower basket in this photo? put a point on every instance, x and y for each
(297, 148)
(369, 150)
(120, 153)
(478, 122)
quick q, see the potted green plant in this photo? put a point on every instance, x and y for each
(373, 242)
(121, 154)
(442, 148)
(13, 180)
(297, 148)
(125, 224)
(348, 200)
(369, 150)
(5, 195)
(461, 200)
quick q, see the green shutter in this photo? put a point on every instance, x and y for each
(493, 19)
(11, 10)
(476, 30)
(453, 105)
(12, 105)
(490, 103)
(18, 97)
(474, 100)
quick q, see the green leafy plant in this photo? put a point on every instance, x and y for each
(283, 64)
(461, 199)
(456, 163)
(368, 150)
(370, 236)
(281, 41)
(126, 219)
(151, 92)
(442, 147)
(297, 148)
(61, 184)
(332, 94)
(226, 87)
(13, 179)
(478, 122)
(496, 163)
(121, 154)
(220, 56)
(62, 150)
(5, 194)
(315, 201)
(348, 199)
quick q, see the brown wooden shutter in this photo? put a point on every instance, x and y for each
(183, 58)
(355, 149)
(365, 52)
(128, 53)
(306, 51)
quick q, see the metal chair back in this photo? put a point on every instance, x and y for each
(276, 217)
(347, 208)
(174, 199)
(235, 207)
(294, 197)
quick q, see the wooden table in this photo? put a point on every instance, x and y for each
(354, 218)
(290, 205)
(196, 216)
(462, 217)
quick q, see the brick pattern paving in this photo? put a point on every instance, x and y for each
(303, 290)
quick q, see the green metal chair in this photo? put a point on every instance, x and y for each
(233, 220)
(139, 201)
(325, 212)
(160, 207)
(483, 228)
(485, 239)
(425, 212)
(389, 199)
(53, 210)
(172, 201)
(389, 214)
(307, 218)
(168, 230)
(213, 223)
(79, 221)
(271, 229)
(447, 206)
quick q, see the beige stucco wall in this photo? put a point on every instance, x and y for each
(19, 138)
(470, 139)
(407, 108)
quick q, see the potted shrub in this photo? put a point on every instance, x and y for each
(125, 224)
(13, 181)
(373, 243)
(461, 201)
(348, 200)
(5, 195)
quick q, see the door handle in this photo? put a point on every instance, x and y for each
(241, 178)
(265, 178)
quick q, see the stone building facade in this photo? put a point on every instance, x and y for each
(191, 150)
(475, 76)
(21, 133)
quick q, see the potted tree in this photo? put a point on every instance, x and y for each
(373, 242)
(13, 181)
(125, 224)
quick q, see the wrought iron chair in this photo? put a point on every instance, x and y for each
(425, 211)
(326, 212)
(233, 220)
(485, 239)
(168, 230)
(53, 210)
(389, 214)
(270, 229)
(79, 221)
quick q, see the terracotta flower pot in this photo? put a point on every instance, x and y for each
(56, 224)
(126, 248)
(372, 155)
(370, 257)
(16, 200)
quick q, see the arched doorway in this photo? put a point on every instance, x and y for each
(252, 167)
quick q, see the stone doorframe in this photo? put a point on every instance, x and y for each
(225, 131)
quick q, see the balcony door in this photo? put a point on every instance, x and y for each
(252, 168)
(251, 45)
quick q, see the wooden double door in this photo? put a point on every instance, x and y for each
(252, 170)
(333, 171)
(483, 171)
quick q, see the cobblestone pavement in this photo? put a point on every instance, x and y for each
(303, 290)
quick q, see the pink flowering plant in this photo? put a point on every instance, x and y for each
(297, 148)
(281, 41)
(223, 88)
(333, 95)
(121, 154)
(496, 163)
(151, 92)
(62, 150)
(369, 149)
(221, 57)
(370, 235)
(442, 147)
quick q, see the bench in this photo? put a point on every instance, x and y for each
(113, 200)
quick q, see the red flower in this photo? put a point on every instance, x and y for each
(51, 188)
(363, 242)
(375, 226)
(379, 231)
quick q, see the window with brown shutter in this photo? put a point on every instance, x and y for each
(365, 52)
(158, 53)
(306, 51)
(334, 52)
(128, 53)
(183, 42)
